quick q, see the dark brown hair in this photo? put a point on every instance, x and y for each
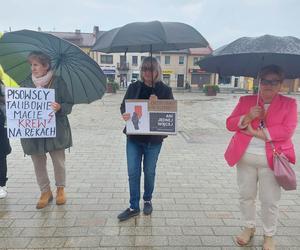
(271, 69)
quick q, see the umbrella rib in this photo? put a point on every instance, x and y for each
(72, 65)
(80, 82)
(17, 65)
(17, 52)
(165, 36)
(80, 65)
(68, 72)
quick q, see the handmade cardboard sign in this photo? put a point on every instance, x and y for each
(29, 112)
(159, 117)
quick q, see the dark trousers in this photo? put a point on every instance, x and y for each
(3, 171)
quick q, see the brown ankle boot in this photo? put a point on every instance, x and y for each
(44, 200)
(60, 196)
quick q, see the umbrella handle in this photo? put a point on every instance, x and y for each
(258, 92)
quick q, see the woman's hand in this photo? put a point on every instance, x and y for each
(153, 98)
(254, 132)
(256, 112)
(55, 106)
(126, 116)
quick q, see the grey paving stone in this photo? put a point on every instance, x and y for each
(10, 232)
(184, 241)
(217, 240)
(197, 231)
(151, 241)
(47, 242)
(38, 232)
(195, 201)
(82, 242)
(117, 241)
(135, 230)
(14, 243)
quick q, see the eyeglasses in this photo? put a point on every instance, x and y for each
(270, 82)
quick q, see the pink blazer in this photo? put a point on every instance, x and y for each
(281, 122)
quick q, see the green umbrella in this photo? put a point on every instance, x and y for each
(85, 80)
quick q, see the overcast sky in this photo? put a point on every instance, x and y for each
(219, 21)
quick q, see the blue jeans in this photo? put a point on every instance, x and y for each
(136, 153)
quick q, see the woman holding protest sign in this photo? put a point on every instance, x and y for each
(144, 148)
(43, 77)
(5, 148)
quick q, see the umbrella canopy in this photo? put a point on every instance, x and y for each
(150, 36)
(85, 80)
(247, 55)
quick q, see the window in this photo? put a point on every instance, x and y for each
(180, 80)
(134, 60)
(122, 59)
(166, 79)
(167, 59)
(197, 59)
(108, 59)
(181, 59)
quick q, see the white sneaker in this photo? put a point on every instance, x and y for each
(3, 192)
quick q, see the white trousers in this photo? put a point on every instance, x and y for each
(254, 174)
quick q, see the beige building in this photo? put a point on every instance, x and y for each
(174, 67)
(195, 75)
(178, 67)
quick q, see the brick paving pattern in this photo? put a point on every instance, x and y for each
(195, 200)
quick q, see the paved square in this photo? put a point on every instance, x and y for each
(195, 199)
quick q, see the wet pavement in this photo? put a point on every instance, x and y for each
(195, 200)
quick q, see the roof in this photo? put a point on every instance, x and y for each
(78, 38)
(201, 51)
(180, 51)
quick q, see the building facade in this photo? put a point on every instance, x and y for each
(179, 68)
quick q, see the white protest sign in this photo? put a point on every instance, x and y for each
(29, 112)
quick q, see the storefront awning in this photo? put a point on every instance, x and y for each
(109, 71)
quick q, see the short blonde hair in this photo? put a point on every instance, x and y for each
(151, 63)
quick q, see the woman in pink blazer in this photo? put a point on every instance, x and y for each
(256, 121)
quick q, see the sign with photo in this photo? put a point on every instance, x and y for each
(158, 118)
(29, 112)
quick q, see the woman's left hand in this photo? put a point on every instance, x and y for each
(55, 106)
(254, 132)
(153, 98)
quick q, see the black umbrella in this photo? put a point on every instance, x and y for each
(150, 36)
(85, 80)
(247, 55)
